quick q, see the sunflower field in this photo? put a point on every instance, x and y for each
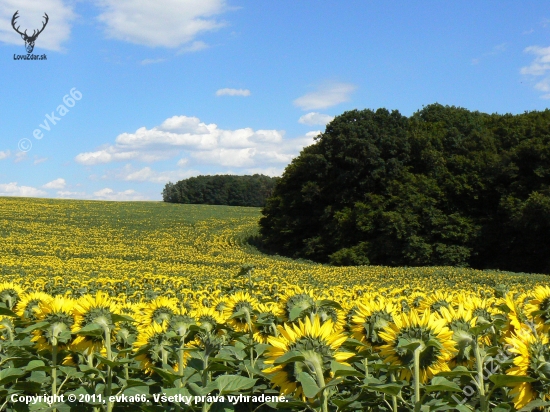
(109, 306)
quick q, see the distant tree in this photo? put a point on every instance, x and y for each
(445, 186)
(221, 190)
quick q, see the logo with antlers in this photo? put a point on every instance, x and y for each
(29, 40)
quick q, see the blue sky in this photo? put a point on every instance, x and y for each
(177, 88)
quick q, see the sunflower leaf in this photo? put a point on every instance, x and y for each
(532, 405)
(238, 314)
(233, 383)
(339, 369)
(457, 372)
(326, 303)
(407, 344)
(39, 325)
(9, 375)
(479, 329)
(292, 356)
(121, 318)
(507, 380)
(295, 313)
(92, 329)
(6, 312)
(309, 386)
(442, 384)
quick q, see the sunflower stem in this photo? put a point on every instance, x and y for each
(54, 367)
(417, 401)
(180, 363)
(109, 371)
(204, 381)
(321, 382)
(480, 382)
(393, 398)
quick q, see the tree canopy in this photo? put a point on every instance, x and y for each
(445, 186)
(228, 190)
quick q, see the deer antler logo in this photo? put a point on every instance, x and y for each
(29, 40)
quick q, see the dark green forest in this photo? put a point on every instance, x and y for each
(445, 186)
(228, 190)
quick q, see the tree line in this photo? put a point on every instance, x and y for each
(228, 190)
(445, 186)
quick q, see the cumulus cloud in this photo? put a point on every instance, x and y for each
(13, 189)
(270, 171)
(110, 194)
(540, 66)
(314, 118)
(147, 174)
(196, 142)
(327, 95)
(55, 184)
(31, 14)
(170, 23)
(233, 92)
(5, 154)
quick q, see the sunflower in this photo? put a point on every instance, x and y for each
(437, 300)
(318, 345)
(532, 360)
(370, 318)
(96, 309)
(6, 328)
(516, 315)
(158, 310)
(153, 347)
(59, 314)
(269, 315)
(410, 327)
(207, 318)
(296, 298)
(29, 302)
(538, 307)
(459, 321)
(10, 293)
(239, 311)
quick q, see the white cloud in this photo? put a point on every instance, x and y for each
(152, 61)
(233, 92)
(170, 23)
(541, 64)
(110, 194)
(539, 67)
(30, 18)
(56, 184)
(4, 154)
(314, 118)
(20, 156)
(195, 144)
(227, 157)
(194, 47)
(146, 174)
(38, 160)
(327, 95)
(270, 171)
(13, 189)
